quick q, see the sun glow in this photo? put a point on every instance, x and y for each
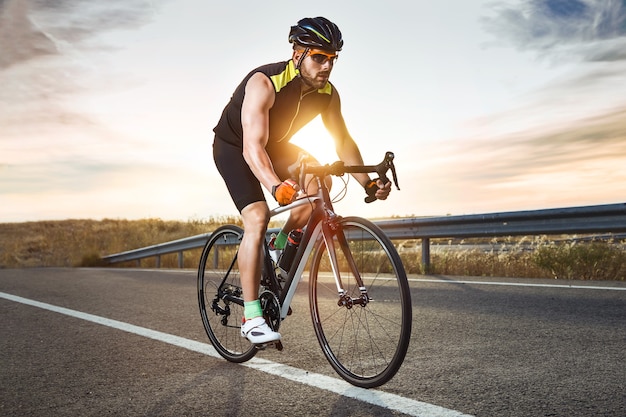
(315, 139)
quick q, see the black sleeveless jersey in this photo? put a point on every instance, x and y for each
(291, 111)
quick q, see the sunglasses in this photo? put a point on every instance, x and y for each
(320, 57)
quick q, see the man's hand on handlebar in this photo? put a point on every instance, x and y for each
(377, 190)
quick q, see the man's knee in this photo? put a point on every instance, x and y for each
(300, 215)
(256, 217)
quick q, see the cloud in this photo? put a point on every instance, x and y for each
(20, 40)
(594, 30)
(48, 58)
(33, 28)
(44, 53)
(597, 138)
(580, 163)
(70, 188)
(56, 176)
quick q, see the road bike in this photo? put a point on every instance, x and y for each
(359, 296)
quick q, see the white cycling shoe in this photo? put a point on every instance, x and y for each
(258, 332)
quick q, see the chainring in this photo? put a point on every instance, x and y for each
(271, 309)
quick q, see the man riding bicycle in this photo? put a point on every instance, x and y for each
(251, 148)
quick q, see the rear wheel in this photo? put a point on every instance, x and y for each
(365, 332)
(220, 295)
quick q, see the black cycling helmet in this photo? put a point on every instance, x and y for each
(316, 32)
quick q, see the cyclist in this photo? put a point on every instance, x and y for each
(251, 147)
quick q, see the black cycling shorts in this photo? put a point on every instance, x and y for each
(242, 184)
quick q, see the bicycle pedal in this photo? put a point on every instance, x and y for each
(277, 344)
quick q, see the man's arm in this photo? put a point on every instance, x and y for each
(257, 103)
(346, 147)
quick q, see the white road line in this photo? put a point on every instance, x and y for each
(518, 284)
(334, 385)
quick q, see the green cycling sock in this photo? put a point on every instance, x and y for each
(252, 309)
(281, 240)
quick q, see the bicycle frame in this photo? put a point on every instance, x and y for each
(321, 223)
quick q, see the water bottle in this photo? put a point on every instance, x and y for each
(293, 240)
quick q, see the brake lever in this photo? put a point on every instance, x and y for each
(393, 174)
(381, 170)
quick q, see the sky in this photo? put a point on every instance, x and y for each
(107, 108)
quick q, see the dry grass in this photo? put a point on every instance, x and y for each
(72, 243)
(524, 257)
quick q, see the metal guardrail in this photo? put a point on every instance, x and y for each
(610, 218)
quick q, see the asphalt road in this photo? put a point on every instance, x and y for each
(81, 342)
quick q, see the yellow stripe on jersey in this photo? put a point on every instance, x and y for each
(285, 77)
(328, 89)
(290, 72)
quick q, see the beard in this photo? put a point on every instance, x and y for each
(316, 80)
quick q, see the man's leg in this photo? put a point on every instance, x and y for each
(255, 219)
(298, 218)
(246, 192)
(286, 158)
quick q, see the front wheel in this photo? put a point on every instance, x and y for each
(220, 294)
(365, 332)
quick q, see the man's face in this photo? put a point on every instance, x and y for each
(316, 67)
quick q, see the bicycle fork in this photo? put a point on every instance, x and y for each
(332, 229)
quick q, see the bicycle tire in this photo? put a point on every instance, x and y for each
(221, 317)
(365, 344)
